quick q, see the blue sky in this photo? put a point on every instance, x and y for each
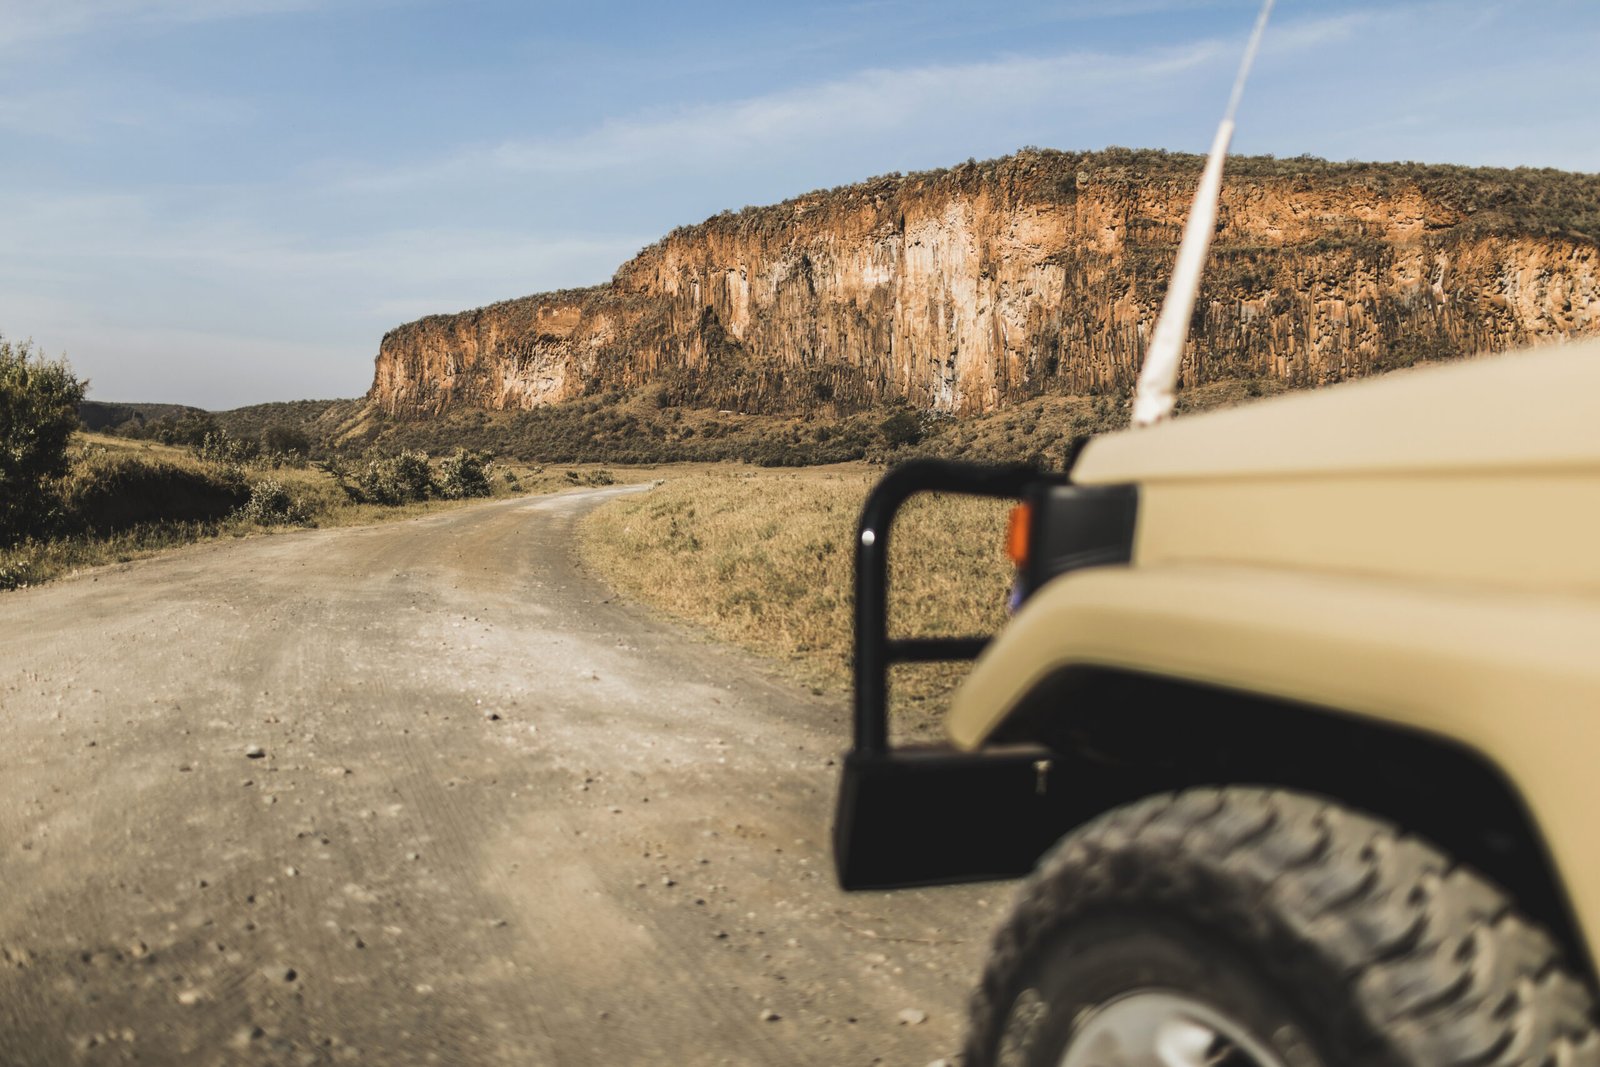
(221, 202)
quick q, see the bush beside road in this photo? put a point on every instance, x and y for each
(122, 499)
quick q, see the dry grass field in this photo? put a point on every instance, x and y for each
(763, 558)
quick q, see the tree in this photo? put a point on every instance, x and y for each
(285, 439)
(902, 427)
(38, 411)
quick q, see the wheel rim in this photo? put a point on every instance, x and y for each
(1156, 1028)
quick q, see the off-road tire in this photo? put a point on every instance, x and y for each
(1336, 938)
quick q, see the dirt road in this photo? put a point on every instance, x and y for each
(421, 793)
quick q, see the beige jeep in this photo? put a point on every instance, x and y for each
(1301, 710)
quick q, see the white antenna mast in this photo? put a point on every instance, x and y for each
(1152, 401)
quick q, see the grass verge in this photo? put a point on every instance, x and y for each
(126, 499)
(764, 558)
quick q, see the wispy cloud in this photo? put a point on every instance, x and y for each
(876, 102)
(712, 135)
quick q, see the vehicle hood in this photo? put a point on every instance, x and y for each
(1534, 410)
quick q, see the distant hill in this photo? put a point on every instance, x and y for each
(100, 415)
(319, 419)
(323, 424)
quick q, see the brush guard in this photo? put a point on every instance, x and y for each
(931, 814)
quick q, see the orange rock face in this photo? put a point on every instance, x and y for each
(964, 290)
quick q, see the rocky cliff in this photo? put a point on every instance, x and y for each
(967, 289)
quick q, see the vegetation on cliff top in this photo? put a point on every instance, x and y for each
(1519, 201)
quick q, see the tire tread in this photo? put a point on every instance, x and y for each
(1438, 969)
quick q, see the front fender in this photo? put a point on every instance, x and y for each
(1514, 676)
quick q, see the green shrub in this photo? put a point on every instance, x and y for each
(189, 428)
(283, 440)
(271, 504)
(18, 573)
(219, 446)
(398, 479)
(901, 428)
(116, 491)
(600, 477)
(38, 411)
(463, 475)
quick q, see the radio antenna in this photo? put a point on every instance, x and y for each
(1153, 399)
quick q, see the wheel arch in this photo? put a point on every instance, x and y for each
(1130, 735)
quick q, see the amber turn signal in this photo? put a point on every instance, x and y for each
(1017, 534)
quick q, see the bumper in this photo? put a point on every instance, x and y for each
(935, 815)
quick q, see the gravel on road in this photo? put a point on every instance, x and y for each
(425, 793)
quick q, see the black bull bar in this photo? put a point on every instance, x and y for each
(931, 814)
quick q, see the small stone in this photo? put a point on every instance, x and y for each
(291, 872)
(769, 1016)
(912, 1017)
(668, 882)
(190, 997)
(254, 752)
(413, 856)
(492, 716)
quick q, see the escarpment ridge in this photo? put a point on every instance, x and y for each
(967, 289)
